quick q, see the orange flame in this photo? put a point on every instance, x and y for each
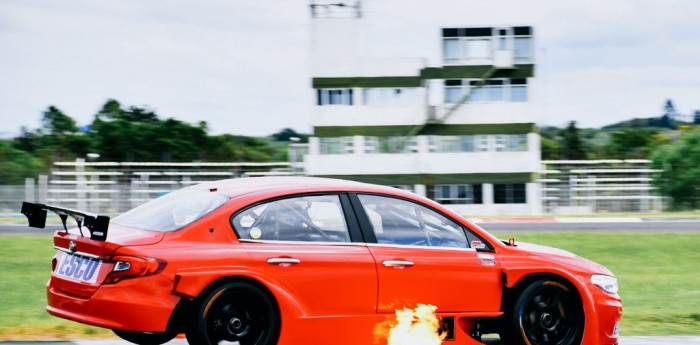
(419, 326)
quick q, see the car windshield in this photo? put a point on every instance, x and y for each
(172, 211)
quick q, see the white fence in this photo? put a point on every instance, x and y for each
(599, 186)
(112, 188)
(568, 187)
(11, 198)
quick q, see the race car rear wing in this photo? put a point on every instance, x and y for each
(96, 224)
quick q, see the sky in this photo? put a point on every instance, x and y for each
(243, 66)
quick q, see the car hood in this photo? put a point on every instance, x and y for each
(540, 249)
(563, 256)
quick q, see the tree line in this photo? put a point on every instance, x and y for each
(118, 133)
(138, 134)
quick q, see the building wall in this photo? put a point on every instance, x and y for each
(365, 115)
(444, 136)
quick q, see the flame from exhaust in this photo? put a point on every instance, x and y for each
(419, 326)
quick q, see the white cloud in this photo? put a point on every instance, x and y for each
(243, 66)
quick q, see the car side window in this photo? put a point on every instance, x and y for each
(398, 221)
(317, 218)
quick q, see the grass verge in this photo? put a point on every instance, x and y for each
(25, 266)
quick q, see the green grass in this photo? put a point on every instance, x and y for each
(658, 272)
(25, 266)
(659, 275)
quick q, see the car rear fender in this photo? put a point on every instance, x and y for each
(515, 276)
(192, 284)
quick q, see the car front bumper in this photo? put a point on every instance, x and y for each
(609, 310)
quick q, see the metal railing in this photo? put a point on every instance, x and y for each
(115, 187)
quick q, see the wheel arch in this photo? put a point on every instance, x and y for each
(193, 287)
(516, 280)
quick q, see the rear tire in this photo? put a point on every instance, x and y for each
(235, 312)
(546, 312)
(145, 338)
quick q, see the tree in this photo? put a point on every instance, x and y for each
(631, 143)
(550, 149)
(16, 165)
(680, 165)
(137, 114)
(236, 148)
(571, 143)
(696, 117)
(55, 122)
(287, 134)
(670, 109)
(137, 134)
(58, 129)
(111, 110)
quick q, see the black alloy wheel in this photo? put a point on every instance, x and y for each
(145, 338)
(235, 312)
(548, 312)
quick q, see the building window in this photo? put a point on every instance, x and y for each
(478, 44)
(334, 97)
(448, 194)
(510, 143)
(482, 143)
(509, 193)
(522, 51)
(518, 90)
(391, 96)
(450, 50)
(336, 146)
(476, 48)
(451, 143)
(477, 143)
(391, 145)
(491, 90)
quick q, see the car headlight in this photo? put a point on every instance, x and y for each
(607, 283)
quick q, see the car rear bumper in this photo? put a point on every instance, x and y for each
(131, 305)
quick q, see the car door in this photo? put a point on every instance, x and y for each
(424, 257)
(308, 246)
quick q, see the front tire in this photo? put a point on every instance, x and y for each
(145, 338)
(235, 312)
(547, 312)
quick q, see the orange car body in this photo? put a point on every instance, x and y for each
(322, 289)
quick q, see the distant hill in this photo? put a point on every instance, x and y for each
(658, 122)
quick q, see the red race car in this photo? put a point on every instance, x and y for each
(303, 260)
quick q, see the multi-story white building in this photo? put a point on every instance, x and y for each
(461, 132)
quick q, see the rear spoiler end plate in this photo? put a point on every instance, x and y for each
(36, 215)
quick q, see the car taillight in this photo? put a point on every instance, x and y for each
(126, 267)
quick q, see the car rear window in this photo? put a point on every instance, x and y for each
(172, 211)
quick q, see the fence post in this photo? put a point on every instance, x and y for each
(43, 188)
(81, 185)
(29, 190)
